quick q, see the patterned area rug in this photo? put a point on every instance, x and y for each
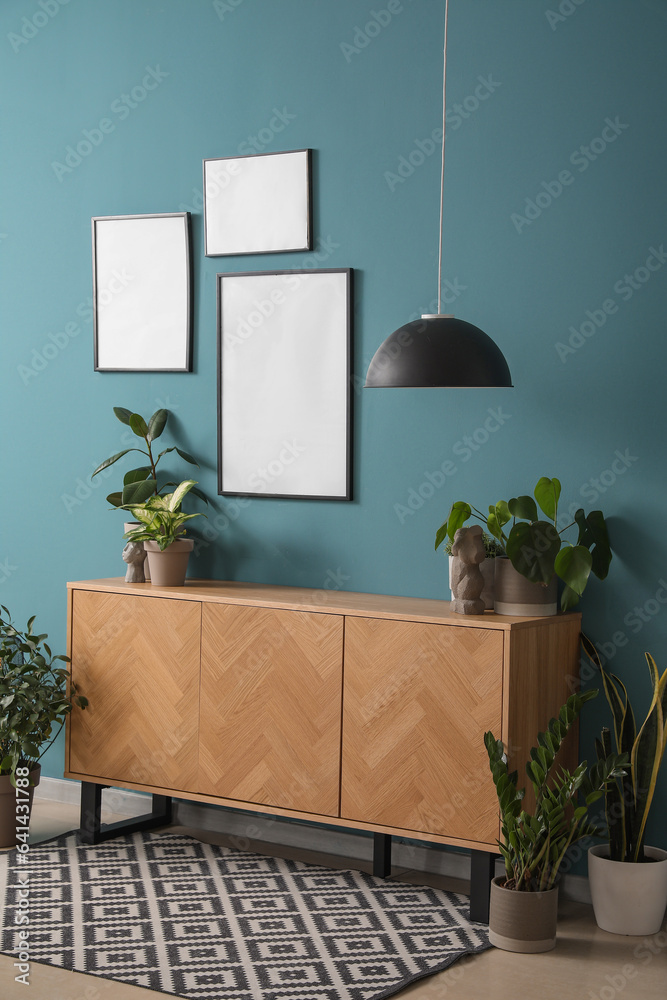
(189, 919)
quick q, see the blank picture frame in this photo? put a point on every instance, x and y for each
(142, 292)
(284, 402)
(258, 203)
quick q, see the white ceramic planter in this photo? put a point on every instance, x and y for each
(628, 898)
(488, 570)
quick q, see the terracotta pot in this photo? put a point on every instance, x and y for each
(522, 921)
(488, 572)
(8, 802)
(514, 595)
(168, 568)
(628, 898)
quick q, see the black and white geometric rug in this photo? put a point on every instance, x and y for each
(194, 920)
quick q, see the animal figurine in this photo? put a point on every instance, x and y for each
(467, 581)
(134, 555)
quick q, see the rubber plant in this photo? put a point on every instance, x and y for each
(160, 518)
(141, 483)
(534, 844)
(536, 546)
(628, 799)
(36, 695)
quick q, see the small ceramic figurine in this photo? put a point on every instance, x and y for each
(467, 581)
(134, 555)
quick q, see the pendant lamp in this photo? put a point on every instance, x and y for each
(438, 350)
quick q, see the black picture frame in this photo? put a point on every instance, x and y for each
(142, 292)
(284, 384)
(250, 208)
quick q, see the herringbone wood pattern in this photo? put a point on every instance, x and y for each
(271, 707)
(137, 661)
(417, 700)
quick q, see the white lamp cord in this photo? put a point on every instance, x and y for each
(442, 170)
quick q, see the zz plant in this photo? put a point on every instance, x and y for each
(36, 695)
(535, 844)
(628, 799)
(534, 545)
(141, 483)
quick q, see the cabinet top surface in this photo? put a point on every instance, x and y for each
(318, 600)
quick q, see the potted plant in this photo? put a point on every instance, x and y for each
(628, 880)
(536, 551)
(141, 483)
(524, 901)
(492, 549)
(161, 530)
(36, 696)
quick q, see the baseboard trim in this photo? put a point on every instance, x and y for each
(246, 826)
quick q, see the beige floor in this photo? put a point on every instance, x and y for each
(587, 964)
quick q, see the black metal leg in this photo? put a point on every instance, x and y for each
(482, 866)
(381, 854)
(92, 831)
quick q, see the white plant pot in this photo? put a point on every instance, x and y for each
(488, 572)
(628, 898)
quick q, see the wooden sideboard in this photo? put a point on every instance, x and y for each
(356, 710)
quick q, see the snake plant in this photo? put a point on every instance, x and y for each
(628, 800)
(534, 845)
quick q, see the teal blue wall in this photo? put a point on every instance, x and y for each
(362, 99)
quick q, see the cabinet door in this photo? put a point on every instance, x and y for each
(417, 701)
(137, 661)
(271, 707)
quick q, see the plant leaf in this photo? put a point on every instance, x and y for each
(138, 425)
(188, 458)
(123, 414)
(114, 458)
(523, 507)
(138, 492)
(573, 565)
(157, 423)
(547, 493)
(533, 548)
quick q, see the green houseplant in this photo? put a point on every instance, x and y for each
(629, 894)
(141, 483)
(36, 696)
(161, 530)
(535, 546)
(534, 845)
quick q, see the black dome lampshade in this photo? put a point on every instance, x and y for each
(438, 350)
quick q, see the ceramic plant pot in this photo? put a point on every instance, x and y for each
(514, 595)
(522, 921)
(488, 572)
(168, 568)
(8, 803)
(628, 898)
